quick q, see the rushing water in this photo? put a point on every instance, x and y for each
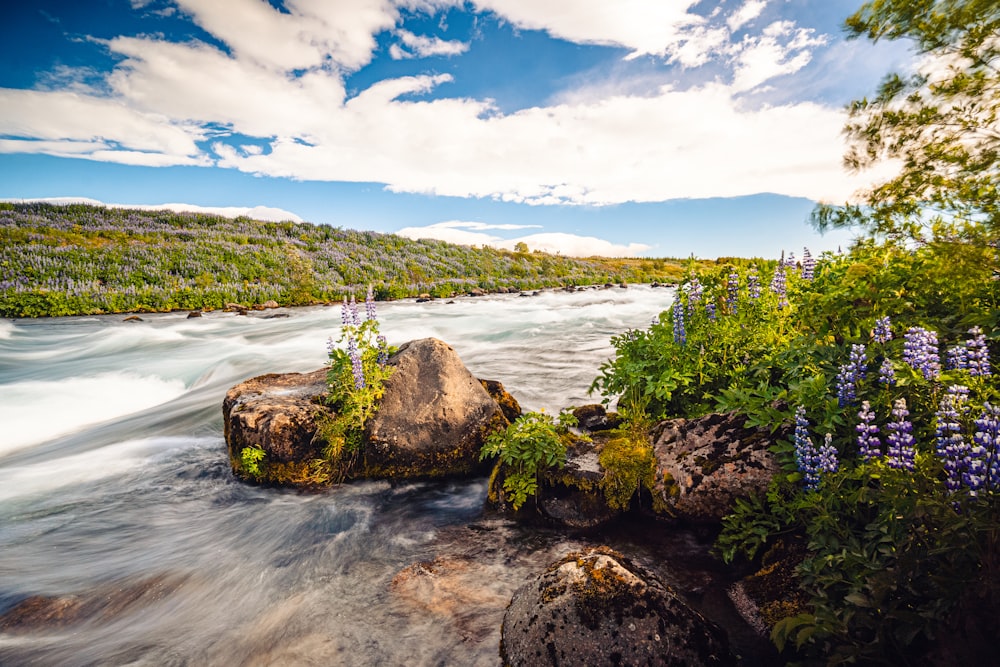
(119, 512)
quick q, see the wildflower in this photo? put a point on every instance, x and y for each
(869, 446)
(850, 374)
(695, 291)
(882, 333)
(921, 353)
(808, 264)
(887, 373)
(779, 287)
(956, 357)
(732, 290)
(383, 351)
(353, 312)
(753, 283)
(805, 452)
(900, 454)
(983, 468)
(680, 335)
(370, 304)
(951, 446)
(978, 354)
(345, 314)
(710, 310)
(827, 458)
(356, 368)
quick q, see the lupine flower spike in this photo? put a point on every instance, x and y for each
(920, 351)
(900, 454)
(680, 335)
(869, 446)
(753, 283)
(882, 333)
(808, 264)
(812, 462)
(978, 354)
(984, 469)
(778, 286)
(850, 374)
(951, 445)
(732, 291)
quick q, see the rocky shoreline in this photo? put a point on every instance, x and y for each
(432, 423)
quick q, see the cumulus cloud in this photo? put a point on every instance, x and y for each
(281, 82)
(570, 245)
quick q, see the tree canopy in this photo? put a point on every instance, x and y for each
(939, 124)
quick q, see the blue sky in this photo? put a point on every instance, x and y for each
(638, 127)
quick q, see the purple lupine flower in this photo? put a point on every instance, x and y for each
(920, 351)
(984, 468)
(353, 312)
(779, 287)
(806, 456)
(732, 290)
(710, 310)
(900, 453)
(383, 351)
(345, 314)
(827, 457)
(882, 333)
(370, 304)
(951, 446)
(695, 291)
(850, 374)
(956, 358)
(753, 283)
(978, 354)
(869, 446)
(808, 264)
(887, 373)
(356, 368)
(330, 346)
(680, 335)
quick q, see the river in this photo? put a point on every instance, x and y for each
(120, 518)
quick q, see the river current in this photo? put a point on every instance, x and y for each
(121, 520)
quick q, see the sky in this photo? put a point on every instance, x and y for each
(660, 128)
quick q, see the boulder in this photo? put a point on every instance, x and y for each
(193, 314)
(270, 303)
(594, 417)
(432, 422)
(599, 608)
(434, 416)
(705, 464)
(702, 466)
(277, 414)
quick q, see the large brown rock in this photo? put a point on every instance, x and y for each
(599, 608)
(434, 416)
(705, 464)
(277, 413)
(432, 421)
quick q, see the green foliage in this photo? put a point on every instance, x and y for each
(939, 124)
(356, 383)
(74, 260)
(529, 446)
(251, 460)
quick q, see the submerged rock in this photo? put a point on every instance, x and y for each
(432, 421)
(599, 608)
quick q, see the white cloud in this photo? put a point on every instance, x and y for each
(424, 47)
(168, 101)
(266, 213)
(570, 245)
(750, 10)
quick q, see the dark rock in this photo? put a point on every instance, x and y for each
(623, 285)
(277, 413)
(133, 318)
(511, 408)
(594, 417)
(599, 608)
(475, 291)
(235, 308)
(705, 464)
(193, 314)
(274, 316)
(434, 416)
(424, 299)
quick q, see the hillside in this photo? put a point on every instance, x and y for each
(79, 259)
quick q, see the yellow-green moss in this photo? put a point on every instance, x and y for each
(629, 464)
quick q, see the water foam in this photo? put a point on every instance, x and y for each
(35, 411)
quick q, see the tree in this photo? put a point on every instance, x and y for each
(940, 124)
(520, 246)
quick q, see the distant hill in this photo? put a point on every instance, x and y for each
(78, 259)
